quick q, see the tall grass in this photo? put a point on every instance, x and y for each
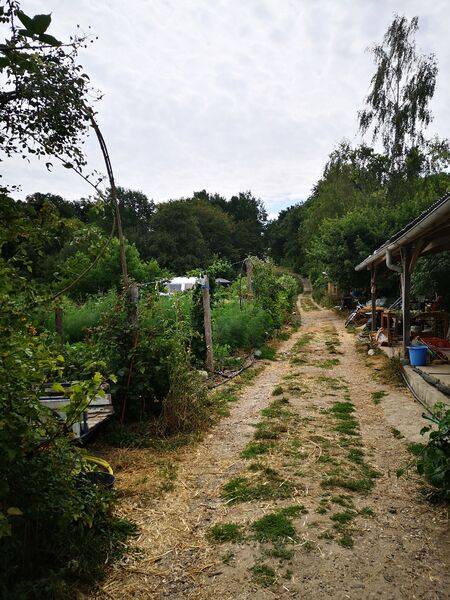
(79, 317)
(236, 328)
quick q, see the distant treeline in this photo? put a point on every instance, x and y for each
(172, 237)
(354, 207)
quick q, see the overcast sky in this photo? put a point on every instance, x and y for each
(229, 95)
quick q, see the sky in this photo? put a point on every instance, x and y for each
(228, 95)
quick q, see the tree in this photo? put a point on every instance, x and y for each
(401, 88)
(177, 241)
(44, 91)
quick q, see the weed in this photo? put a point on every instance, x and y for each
(393, 371)
(267, 471)
(255, 449)
(284, 336)
(396, 433)
(366, 511)
(228, 557)
(326, 535)
(415, 448)
(169, 474)
(281, 552)
(277, 391)
(308, 546)
(225, 532)
(346, 541)
(263, 575)
(377, 396)
(321, 510)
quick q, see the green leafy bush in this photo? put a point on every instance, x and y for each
(245, 327)
(433, 461)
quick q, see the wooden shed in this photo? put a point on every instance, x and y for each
(428, 234)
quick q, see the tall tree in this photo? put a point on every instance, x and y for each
(401, 89)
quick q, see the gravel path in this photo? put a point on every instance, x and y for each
(400, 543)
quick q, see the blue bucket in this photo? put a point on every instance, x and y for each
(418, 355)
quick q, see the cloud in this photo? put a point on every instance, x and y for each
(229, 95)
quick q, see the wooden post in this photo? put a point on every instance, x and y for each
(59, 323)
(406, 287)
(134, 301)
(373, 295)
(249, 268)
(207, 322)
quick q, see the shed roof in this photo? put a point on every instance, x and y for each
(434, 222)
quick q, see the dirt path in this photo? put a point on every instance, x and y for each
(312, 509)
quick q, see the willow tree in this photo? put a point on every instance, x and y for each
(397, 106)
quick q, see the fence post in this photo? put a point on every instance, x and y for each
(207, 322)
(59, 323)
(249, 268)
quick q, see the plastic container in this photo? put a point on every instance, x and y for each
(418, 355)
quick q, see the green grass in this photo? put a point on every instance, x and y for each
(263, 575)
(277, 409)
(377, 396)
(277, 391)
(241, 489)
(267, 431)
(268, 353)
(346, 541)
(344, 517)
(342, 500)
(328, 363)
(255, 449)
(281, 552)
(225, 532)
(303, 341)
(356, 456)
(277, 526)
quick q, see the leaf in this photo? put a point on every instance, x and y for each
(26, 21)
(68, 165)
(41, 23)
(49, 39)
(4, 62)
(13, 511)
(60, 358)
(57, 387)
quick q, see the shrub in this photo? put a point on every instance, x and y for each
(54, 524)
(240, 327)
